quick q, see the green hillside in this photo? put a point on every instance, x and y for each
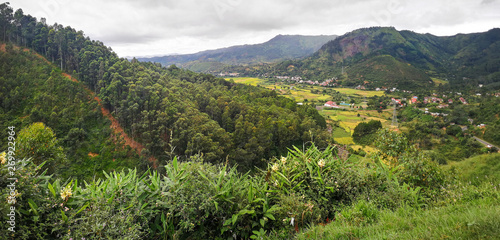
(33, 90)
(462, 59)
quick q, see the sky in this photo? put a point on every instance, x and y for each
(164, 27)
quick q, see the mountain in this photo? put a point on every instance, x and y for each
(278, 48)
(384, 56)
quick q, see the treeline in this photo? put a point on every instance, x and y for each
(173, 111)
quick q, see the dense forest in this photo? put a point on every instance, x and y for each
(170, 110)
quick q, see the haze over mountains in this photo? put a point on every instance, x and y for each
(279, 48)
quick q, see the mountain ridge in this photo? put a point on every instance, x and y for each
(278, 48)
(463, 56)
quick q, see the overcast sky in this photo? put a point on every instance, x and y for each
(159, 27)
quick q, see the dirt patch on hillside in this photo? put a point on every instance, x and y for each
(119, 134)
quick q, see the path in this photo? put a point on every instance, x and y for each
(484, 142)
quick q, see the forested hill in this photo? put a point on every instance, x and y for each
(169, 110)
(383, 56)
(279, 48)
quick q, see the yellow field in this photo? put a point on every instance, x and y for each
(344, 140)
(367, 149)
(300, 94)
(362, 93)
(247, 80)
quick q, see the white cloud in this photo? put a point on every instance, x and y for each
(156, 27)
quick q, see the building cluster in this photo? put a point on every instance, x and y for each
(226, 74)
(442, 103)
(328, 82)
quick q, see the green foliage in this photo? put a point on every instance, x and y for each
(363, 131)
(39, 142)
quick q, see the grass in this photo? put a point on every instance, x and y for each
(438, 81)
(248, 80)
(475, 220)
(367, 149)
(478, 168)
(361, 93)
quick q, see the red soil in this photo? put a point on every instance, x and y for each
(119, 134)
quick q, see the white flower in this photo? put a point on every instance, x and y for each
(66, 193)
(321, 163)
(283, 160)
(275, 167)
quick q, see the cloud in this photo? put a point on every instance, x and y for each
(152, 27)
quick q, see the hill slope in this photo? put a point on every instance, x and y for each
(409, 57)
(34, 90)
(279, 48)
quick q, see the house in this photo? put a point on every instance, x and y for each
(443, 106)
(414, 99)
(396, 101)
(463, 100)
(331, 104)
(450, 101)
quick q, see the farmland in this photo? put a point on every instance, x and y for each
(346, 119)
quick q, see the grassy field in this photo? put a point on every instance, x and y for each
(438, 81)
(361, 93)
(475, 220)
(248, 80)
(478, 168)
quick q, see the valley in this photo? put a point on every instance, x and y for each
(374, 134)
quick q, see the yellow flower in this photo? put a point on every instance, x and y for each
(283, 160)
(2, 157)
(66, 193)
(321, 163)
(275, 167)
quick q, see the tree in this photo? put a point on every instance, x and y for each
(6, 19)
(40, 143)
(363, 130)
